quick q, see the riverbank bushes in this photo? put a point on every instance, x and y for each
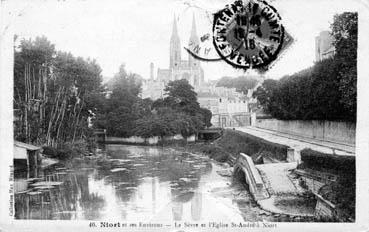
(67, 150)
(52, 93)
(236, 142)
(232, 143)
(342, 192)
(125, 114)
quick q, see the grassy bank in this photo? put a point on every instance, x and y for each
(232, 143)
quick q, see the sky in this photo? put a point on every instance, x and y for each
(137, 32)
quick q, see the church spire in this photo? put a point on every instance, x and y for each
(175, 47)
(174, 29)
(193, 29)
(193, 43)
(194, 39)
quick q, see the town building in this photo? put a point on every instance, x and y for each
(26, 157)
(229, 107)
(324, 47)
(182, 69)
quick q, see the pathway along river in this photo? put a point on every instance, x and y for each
(137, 183)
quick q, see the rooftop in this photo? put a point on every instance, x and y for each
(26, 146)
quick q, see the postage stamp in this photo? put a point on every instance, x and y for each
(248, 36)
(244, 34)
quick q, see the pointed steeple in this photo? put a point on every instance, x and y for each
(193, 29)
(194, 39)
(175, 47)
(174, 29)
(193, 43)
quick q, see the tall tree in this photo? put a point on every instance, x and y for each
(50, 90)
(344, 30)
(32, 71)
(122, 108)
(74, 80)
(182, 96)
(327, 90)
(265, 94)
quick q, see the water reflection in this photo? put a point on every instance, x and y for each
(134, 183)
(130, 183)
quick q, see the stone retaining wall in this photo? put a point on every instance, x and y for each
(341, 132)
(324, 208)
(149, 141)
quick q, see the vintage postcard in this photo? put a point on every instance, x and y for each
(184, 115)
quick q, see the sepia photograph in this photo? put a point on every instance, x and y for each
(184, 115)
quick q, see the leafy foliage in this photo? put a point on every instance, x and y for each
(50, 92)
(118, 113)
(125, 114)
(344, 30)
(342, 192)
(178, 113)
(326, 91)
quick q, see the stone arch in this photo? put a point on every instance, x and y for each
(239, 174)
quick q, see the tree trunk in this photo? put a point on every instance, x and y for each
(52, 116)
(76, 125)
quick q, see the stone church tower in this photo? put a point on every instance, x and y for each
(194, 39)
(175, 47)
(182, 69)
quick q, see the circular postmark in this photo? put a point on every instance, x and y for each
(248, 34)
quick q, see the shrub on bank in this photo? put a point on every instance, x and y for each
(232, 143)
(57, 153)
(215, 152)
(67, 150)
(236, 142)
(342, 192)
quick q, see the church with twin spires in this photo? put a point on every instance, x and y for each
(181, 69)
(228, 107)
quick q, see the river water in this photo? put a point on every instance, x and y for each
(136, 183)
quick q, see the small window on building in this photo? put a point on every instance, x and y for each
(220, 100)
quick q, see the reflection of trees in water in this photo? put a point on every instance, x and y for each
(92, 206)
(196, 206)
(74, 192)
(194, 198)
(91, 203)
(139, 162)
(59, 202)
(185, 172)
(182, 170)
